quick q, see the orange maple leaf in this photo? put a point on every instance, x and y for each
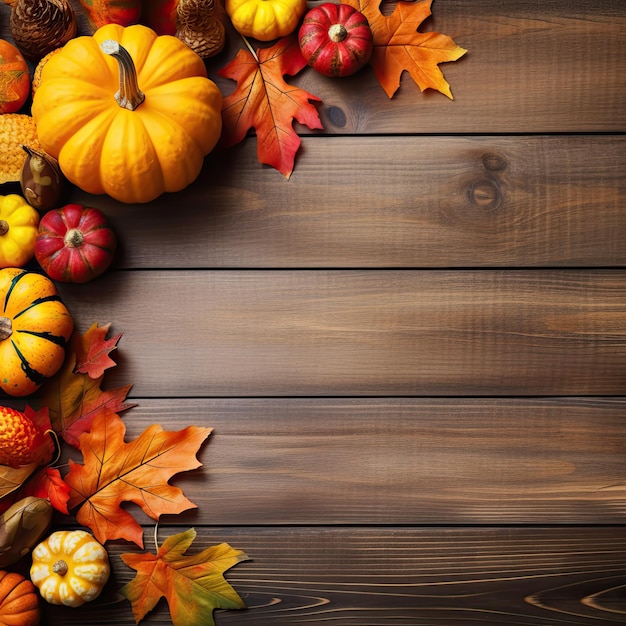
(115, 471)
(265, 102)
(93, 349)
(193, 585)
(399, 47)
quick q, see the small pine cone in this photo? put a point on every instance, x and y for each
(40, 26)
(200, 26)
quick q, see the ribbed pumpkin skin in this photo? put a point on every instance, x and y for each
(85, 570)
(132, 155)
(335, 57)
(19, 602)
(40, 327)
(75, 244)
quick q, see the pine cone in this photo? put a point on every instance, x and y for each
(200, 26)
(40, 26)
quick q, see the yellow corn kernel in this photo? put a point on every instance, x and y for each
(16, 130)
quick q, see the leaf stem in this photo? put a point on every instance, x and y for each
(249, 46)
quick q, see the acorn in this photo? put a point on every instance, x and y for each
(199, 25)
(42, 181)
(40, 26)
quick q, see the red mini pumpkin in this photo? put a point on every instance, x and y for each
(14, 78)
(75, 243)
(335, 39)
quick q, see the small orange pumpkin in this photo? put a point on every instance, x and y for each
(14, 78)
(19, 602)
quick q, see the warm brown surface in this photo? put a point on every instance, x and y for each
(413, 353)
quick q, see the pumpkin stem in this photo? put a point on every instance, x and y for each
(6, 328)
(129, 95)
(74, 238)
(4, 227)
(60, 568)
(337, 33)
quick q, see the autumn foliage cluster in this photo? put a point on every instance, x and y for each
(265, 102)
(82, 463)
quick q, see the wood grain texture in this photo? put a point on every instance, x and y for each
(409, 202)
(329, 333)
(399, 461)
(407, 576)
(412, 353)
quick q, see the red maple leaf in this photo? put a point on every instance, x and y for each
(93, 349)
(265, 102)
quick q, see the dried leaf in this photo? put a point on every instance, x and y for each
(399, 47)
(193, 585)
(115, 471)
(93, 349)
(12, 478)
(45, 482)
(265, 102)
(75, 400)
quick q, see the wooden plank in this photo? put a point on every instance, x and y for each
(432, 202)
(348, 333)
(407, 576)
(560, 69)
(399, 461)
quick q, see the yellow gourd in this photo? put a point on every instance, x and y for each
(70, 568)
(18, 231)
(265, 20)
(127, 112)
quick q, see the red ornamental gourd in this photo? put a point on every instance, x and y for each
(75, 244)
(335, 39)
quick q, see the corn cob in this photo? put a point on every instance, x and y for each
(16, 130)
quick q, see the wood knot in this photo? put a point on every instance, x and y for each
(337, 116)
(485, 194)
(494, 162)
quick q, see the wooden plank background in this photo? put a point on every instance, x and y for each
(412, 353)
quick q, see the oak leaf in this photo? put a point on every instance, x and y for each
(193, 585)
(399, 47)
(264, 101)
(93, 349)
(115, 471)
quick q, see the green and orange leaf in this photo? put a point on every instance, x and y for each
(400, 47)
(193, 585)
(115, 472)
(264, 101)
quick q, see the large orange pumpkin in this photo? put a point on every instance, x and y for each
(128, 112)
(14, 78)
